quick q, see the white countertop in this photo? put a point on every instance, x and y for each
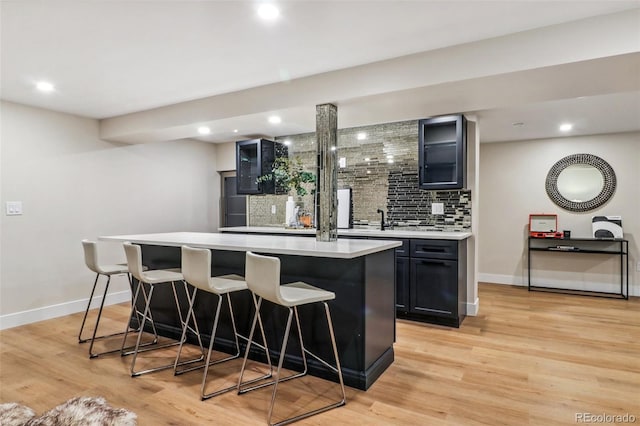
(387, 233)
(343, 248)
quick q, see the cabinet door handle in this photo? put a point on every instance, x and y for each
(436, 262)
(431, 249)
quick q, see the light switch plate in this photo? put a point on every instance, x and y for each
(437, 208)
(342, 162)
(14, 208)
(273, 209)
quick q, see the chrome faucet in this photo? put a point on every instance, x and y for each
(382, 219)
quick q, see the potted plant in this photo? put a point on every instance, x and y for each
(289, 174)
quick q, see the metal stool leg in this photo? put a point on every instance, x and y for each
(284, 379)
(94, 336)
(144, 319)
(256, 319)
(145, 316)
(124, 351)
(209, 363)
(294, 311)
(335, 354)
(204, 395)
(238, 335)
(185, 327)
(86, 311)
(280, 361)
(95, 329)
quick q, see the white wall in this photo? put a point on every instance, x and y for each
(73, 186)
(225, 161)
(512, 177)
(226, 156)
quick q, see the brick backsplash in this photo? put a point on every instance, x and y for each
(382, 171)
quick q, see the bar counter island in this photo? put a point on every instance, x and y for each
(361, 273)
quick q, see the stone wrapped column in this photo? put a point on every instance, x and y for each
(327, 175)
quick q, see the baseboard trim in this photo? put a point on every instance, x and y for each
(59, 310)
(473, 308)
(501, 279)
(576, 285)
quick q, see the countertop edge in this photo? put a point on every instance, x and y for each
(342, 249)
(390, 234)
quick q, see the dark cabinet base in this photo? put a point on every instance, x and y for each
(431, 282)
(432, 319)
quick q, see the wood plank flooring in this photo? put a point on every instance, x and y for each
(527, 359)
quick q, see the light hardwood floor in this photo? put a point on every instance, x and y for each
(528, 358)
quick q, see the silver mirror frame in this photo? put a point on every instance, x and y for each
(608, 188)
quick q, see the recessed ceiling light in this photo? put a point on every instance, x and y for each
(361, 136)
(565, 127)
(274, 119)
(235, 130)
(44, 86)
(390, 160)
(367, 159)
(204, 130)
(268, 11)
(333, 148)
(287, 142)
(389, 157)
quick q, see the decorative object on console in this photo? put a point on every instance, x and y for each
(544, 226)
(607, 226)
(581, 182)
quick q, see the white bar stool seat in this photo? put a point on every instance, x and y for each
(153, 278)
(263, 279)
(301, 293)
(196, 268)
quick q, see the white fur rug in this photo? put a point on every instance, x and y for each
(82, 411)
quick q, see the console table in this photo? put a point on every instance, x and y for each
(612, 247)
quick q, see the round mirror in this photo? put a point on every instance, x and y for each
(581, 182)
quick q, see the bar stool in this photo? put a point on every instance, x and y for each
(196, 269)
(90, 249)
(153, 278)
(263, 279)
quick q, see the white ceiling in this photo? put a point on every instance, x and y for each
(116, 58)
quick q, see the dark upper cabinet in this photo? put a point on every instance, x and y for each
(442, 152)
(254, 158)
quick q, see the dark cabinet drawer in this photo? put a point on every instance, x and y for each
(434, 249)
